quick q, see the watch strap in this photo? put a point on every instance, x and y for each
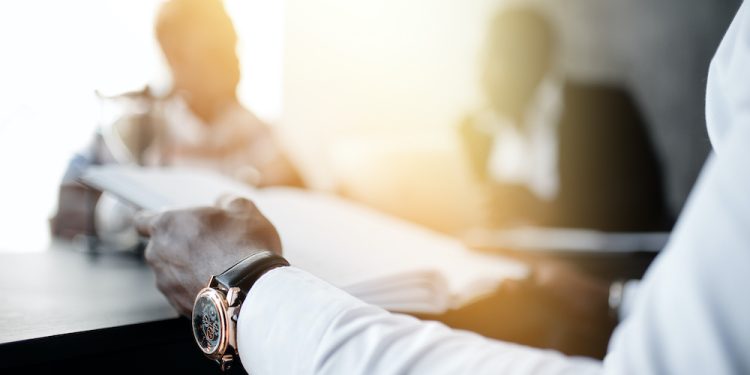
(247, 271)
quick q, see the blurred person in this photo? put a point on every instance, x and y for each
(199, 123)
(554, 152)
(688, 317)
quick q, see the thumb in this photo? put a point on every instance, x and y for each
(235, 203)
(144, 222)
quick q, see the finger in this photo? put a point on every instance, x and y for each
(225, 200)
(150, 256)
(248, 175)
(236, 204)
(145, 222)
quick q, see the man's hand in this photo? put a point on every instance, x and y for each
(557, 307)
(187, 247)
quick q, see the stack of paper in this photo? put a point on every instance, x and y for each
(380, 259)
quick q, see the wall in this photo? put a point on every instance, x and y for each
(397, 69)
(661, 49)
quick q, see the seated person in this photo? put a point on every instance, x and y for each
(199, 123)
(555, 152)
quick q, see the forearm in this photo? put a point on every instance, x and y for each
(75, 202)
(294, 323)
(75, 211)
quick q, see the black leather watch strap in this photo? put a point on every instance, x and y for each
(247, 271)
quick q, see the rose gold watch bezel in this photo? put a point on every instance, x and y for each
(218, 299)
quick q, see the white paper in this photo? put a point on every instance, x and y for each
(378, 258)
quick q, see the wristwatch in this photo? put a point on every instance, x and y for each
(217, 306)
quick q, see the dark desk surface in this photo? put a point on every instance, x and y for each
(63, 291)
(64, 309)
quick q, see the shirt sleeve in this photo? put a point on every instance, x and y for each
(690, 315)
(295, 323)
(691, 312)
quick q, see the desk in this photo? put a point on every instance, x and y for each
(68, 310)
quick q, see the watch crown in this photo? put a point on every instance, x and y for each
(225, 362)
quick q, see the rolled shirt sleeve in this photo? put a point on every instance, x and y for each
(295, 323)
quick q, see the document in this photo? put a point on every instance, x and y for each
(378, 258)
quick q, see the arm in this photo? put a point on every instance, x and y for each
(292, 322)
(691, 311)
(84, 211)
(76, 203)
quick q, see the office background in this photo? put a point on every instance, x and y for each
(57, 53)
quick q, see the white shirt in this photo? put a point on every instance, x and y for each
(526, 154)
(235, 143)
(691, 315)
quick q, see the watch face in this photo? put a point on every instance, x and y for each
(208, 322)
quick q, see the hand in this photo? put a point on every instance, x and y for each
(75, 211)
(557, 307)
(570, 308)
(187, 247)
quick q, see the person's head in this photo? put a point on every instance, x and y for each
(199, 42)
(519, 53)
